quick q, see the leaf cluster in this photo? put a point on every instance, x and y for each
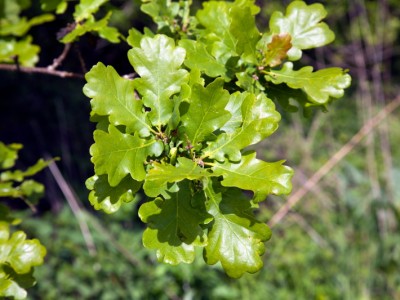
(205, 91)
(18, 255)
(15, 44)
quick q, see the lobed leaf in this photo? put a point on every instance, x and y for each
(158, 62)
(108, 198)
(114, 96)
(86, 8)
(303, 23)
(111, 34)
(23, 25)
(19, 175)
(14, 285)
(117, 154)
(221, 21)
(206, 112)
(235, 238)
(243, 28)
(255, 175)
(26, 52)
(319, 85)
(174, 226)
(277, 49)
(158, 177)
(163, 12)
(259, 120)
(18, 252)
(198, 57)
(8, 155)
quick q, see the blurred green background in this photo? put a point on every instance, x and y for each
(341, 240)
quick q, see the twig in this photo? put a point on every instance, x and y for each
(333, 161)
(76, 209)
(82, 216)
(41, 70)
(58, 61)
(80, 57)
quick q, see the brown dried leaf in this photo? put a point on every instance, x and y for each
(277, 49)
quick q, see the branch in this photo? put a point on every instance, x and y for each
(58, 61)
(333, 161)
(41, 70)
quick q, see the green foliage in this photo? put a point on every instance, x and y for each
(85, 22)
(180, 131)
(18, 255)
(15, 45)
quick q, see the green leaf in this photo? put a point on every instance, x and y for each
(198, 57)
(219, 18)
(163, 12)
(215, 18)
(158, 177)
(158, 62)
(107, 198)
(259, 120)
(174, 225)
(18, 252)
(287, 97)
(23, 50)
(277, 49)
(58, 5)
(117, 154)
(114, 96)
(236, 238)
(14, 285)
(19, 175)
(111, 34)
(244, 29)
(263, 178)
(32, 190)
(319, 85)
(206, 112)
(86, 8)
(23, 25)
(8, 155)
(234, 107)
(303, 23)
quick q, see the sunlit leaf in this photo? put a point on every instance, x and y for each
(114, 96)
(86, 8)
(158, 177)
(235, 239)
(117, 154)
(303, 23)
(18, 252)
(319, 85)
(199, 58)
(8, 155)
(263, 178)
(91, 25)
(22, 51)
(259, 120)
(174, 226)
(206, 112)
(107, 198)
(19, 175)
(158, 62)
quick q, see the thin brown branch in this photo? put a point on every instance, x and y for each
(58, 61)
(41, 70)
(333, 161)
